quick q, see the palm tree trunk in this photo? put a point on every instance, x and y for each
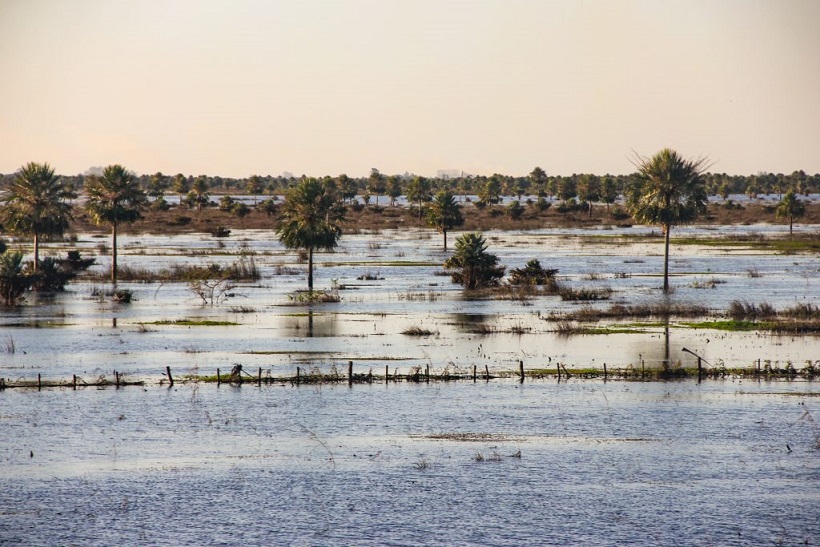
(36, 250)
(667, 229)
(114, 253)
(445, 240)
(310, 269)
(791, 222)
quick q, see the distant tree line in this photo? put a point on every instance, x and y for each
(380, 189)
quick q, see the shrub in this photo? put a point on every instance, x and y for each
(619, 213)
(532, 274)
(515, 210)
(14, 279)
(240, 209)
(51, 276)
(472, 265)
(541, 204)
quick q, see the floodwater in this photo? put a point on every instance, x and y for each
(390, 282)
(728, 462)
(584, 462)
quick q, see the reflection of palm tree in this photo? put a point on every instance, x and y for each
(112, 199)
(311, 217)
(668, 190)
(36, 203)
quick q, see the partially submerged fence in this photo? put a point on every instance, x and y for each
(238, 375)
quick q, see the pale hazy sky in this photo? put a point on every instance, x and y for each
(318, 87)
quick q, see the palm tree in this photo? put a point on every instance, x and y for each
(199, 194)
(790, 207)
(668, 190)
(114, 198)
(311, 217)
(376, 183)
(472, 265)
(418, 192)
(181, 186)
(444, 213)
(36, 203)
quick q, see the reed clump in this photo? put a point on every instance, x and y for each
(636, 311)
(244, 269)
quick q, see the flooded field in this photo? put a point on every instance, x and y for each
(586, 461)
(392, 281)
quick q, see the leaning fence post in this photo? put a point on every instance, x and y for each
(170, 378)
(521, 371)
(558, 368)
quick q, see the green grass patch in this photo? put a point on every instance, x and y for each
(733, 325)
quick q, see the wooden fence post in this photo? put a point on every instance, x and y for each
(170, 378)
(521, 371)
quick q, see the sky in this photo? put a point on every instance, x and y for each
(323, 87)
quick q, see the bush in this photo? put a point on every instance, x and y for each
(541, 204)
(14, 279)
(240, 209)
(226, 203)
(618, 213)
(472, 265)
(51, 276)
(532, 274)
(515, 210)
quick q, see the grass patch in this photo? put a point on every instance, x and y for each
(732, 325)
(418, 331)
(584, 294)
(623, 311)
(194, 323)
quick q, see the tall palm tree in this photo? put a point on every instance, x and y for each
(311, 217)
(37, 203)
(444, 213)
(791, 208)
(114, 198)
(668, 190)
